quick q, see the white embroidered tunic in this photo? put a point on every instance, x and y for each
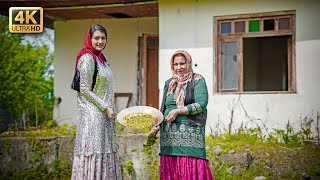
(96, 134)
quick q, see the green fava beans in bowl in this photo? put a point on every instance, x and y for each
(140, 117)
(139, 120)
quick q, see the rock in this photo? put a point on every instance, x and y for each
(259, 178)
(66, 146)
(233, 170)
(243, 159)
(247, 158)
(228, 159)
(214, 163)
(232, 151)
(266, 168)
(305, 176)
(218, 150)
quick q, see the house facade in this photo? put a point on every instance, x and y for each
(259, 59)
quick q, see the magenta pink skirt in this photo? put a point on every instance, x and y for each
(186, 168)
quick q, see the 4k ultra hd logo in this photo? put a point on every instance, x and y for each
(25, 19)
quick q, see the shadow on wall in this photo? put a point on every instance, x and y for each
(6, 118)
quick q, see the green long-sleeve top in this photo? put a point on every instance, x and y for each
(178, 138)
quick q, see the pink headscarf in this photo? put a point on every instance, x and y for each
(97, 55)
(178, 82)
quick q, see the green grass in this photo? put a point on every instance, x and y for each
(281, 155)
(48, 130)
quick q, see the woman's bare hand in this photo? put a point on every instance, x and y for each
(110, 114)
(153, 132)
(172, 115)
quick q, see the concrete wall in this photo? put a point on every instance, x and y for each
(121, 51)
(189, 25)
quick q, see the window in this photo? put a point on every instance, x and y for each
(255, 53)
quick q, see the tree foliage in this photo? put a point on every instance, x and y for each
(25, 77)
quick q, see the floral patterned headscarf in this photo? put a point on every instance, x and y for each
(178, 82)
(97, 55)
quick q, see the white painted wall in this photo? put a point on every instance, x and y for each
(189, 25)
(121, 51)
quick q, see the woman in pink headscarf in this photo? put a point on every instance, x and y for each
(95, 151)
(182, 133)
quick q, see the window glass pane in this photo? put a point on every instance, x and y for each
(240, 26)
(268, 25)
(226, 28)
(284, 23)
(229, 65)
(254, 25)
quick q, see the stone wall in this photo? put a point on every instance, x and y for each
(16, 153)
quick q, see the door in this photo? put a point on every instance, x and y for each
(148, 52)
